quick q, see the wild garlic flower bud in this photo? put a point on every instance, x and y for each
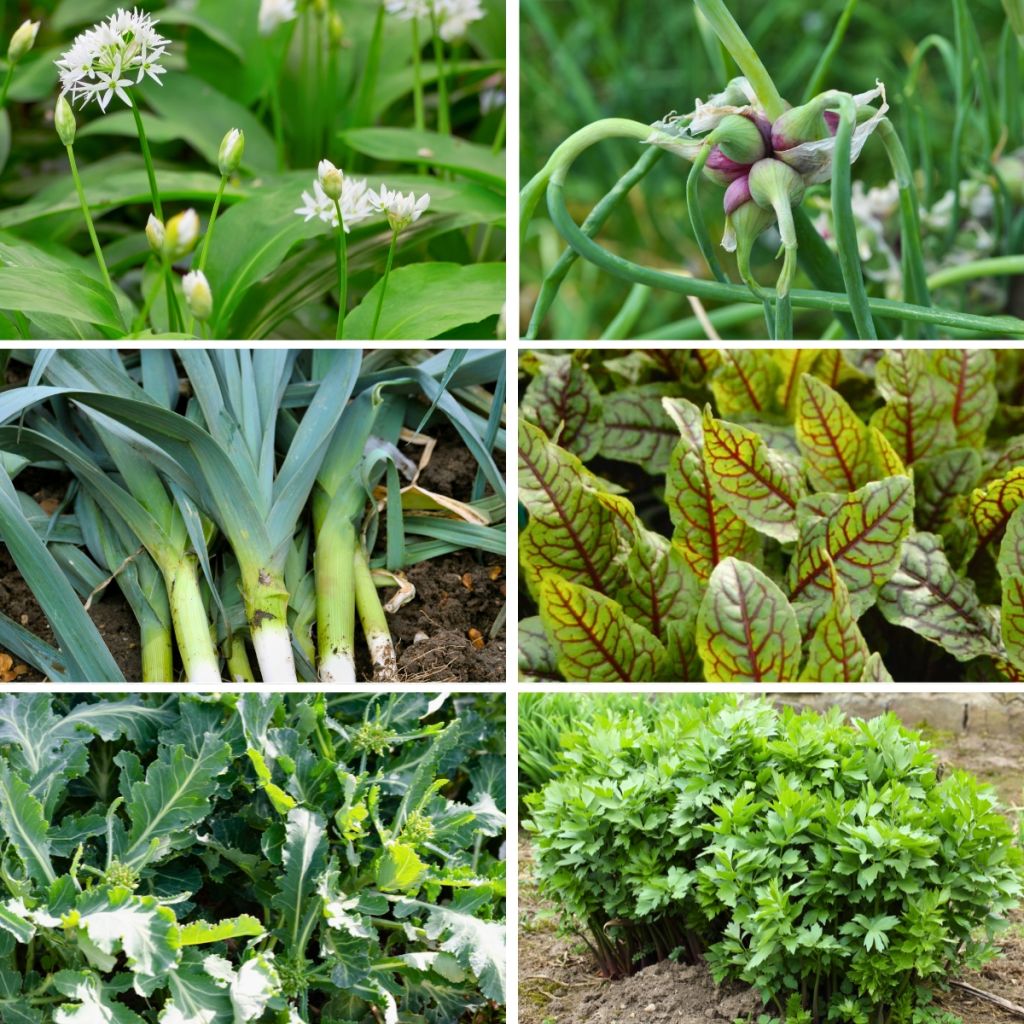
(182, 232)
(401, 210)
(198, 294)
(64, 121)
(232, 147)
(156, 234)
(22, 41)
(111, 57)
(274, 13)
(335, 30)
(332, 180)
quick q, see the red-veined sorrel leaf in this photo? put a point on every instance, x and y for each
(660, 587)
(706, 528)
(536, 656)
(594, 639)
(1012, 455)
(992, 505)
(832, 437)
(1011, 571)
(745, 381)
(746, 629)
(757, 483)
(916, 416)
(564, 402)
(939, 480)
(837, 651)
(833, 368)
(925, 595)
(861, 536)
(573, 529)
(883, 456)
(637, 428)
(793, 364)
(970, 373)
(875, 670)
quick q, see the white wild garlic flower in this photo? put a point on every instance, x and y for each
(401, 210)
(453, 16)
(355, 201)
(274, 13)
(111, 57)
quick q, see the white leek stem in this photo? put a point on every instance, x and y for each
(375, 623)
(335, 599)
(273, 647)
(338, 668)
(191, 626)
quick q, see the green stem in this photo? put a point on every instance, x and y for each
(173, 310)
(147, 305)
(996, 266)
(191, 626)
(88, 220)
(499, 135)
(342, 273)
(157, 652)
(727, 29)
(988, 327)
(384, 284)
(239, 667)
(817, 80)
(374, 621)
(207, 239)
(444, 125)
(4, 89)
(147, 156)
(622, 326)
(419, 120)
(693, 208)
(335, 594)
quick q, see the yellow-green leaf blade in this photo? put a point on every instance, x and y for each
(832, 437)
(970, 373)
(746, 629)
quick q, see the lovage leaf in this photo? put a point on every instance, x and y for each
(916, 416)
(594, 639)
(832, 438)
(970, 373)
(756, 482)
(744, 382)
(861, 537)
(564, 402)
(837, 652)
(746, 629)
(992, 505)
(573, 529)
(925, 595)
(706, 528)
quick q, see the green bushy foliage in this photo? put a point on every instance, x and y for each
(832, 866)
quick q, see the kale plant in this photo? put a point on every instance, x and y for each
(773, 515)
(829, 865)
(188, 860)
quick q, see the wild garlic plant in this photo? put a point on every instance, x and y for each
(769, 155)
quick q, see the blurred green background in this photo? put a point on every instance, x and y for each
(582, 60)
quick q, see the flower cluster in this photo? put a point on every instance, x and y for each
(357, 201)
(762, 163)
(111, 57)
(453, 16)
(274, 13)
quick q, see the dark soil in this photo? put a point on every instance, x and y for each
(442, 634)
(559, 982)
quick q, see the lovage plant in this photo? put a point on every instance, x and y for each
(176, 860)
(197, 225)
(827, 864)
(790, 515)
(766, 154)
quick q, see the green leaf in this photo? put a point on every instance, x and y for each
(1011, 571)
(939, 481)
(756, 482)
(637, 428)
(403, 145)
(992, 505)
(174, 798)
(279, 799)
(594, 638)
(970, 373)
(706, 528)
(793, 363)
(563, 401)
(21, 816)
(199, 933)
(746, 629)
(13, 923)
(399, 869)
(883, 456)
(745, 382)
(926, 596)
(862, 537)
(198, 997)
(573, 530)
(837, 651)
(917, 415)
(96, 1001)
(115, 920)
(304, 854)
(832, 438)
(425, 300)
(32, 290)
(536, 655)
